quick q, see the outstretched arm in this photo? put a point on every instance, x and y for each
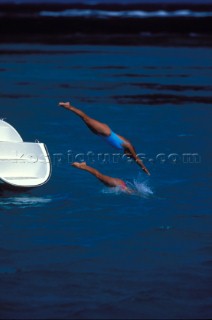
(130, 151)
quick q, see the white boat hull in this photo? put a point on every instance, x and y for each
(22, 164)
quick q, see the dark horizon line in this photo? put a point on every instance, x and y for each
(146, 4)
(115, 2)
(104, 2)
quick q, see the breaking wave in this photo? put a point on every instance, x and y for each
(103, 14)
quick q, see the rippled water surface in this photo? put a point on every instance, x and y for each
(76, 249)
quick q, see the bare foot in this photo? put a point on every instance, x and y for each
(79, 165)
(66, 105)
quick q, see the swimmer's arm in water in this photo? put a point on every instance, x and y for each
(130, 151)
(129, 191)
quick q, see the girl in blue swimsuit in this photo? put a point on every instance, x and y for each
(102, 129)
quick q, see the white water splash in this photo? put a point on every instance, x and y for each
(138, 187)
(142, 188)
(116, 190)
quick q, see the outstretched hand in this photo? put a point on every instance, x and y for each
(146, 171)
(64, 105)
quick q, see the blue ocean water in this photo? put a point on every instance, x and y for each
(76, 249)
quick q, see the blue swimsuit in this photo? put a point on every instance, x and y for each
(114, 140)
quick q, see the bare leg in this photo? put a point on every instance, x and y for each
(108, 181)
(95, 126)
(103, 129)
